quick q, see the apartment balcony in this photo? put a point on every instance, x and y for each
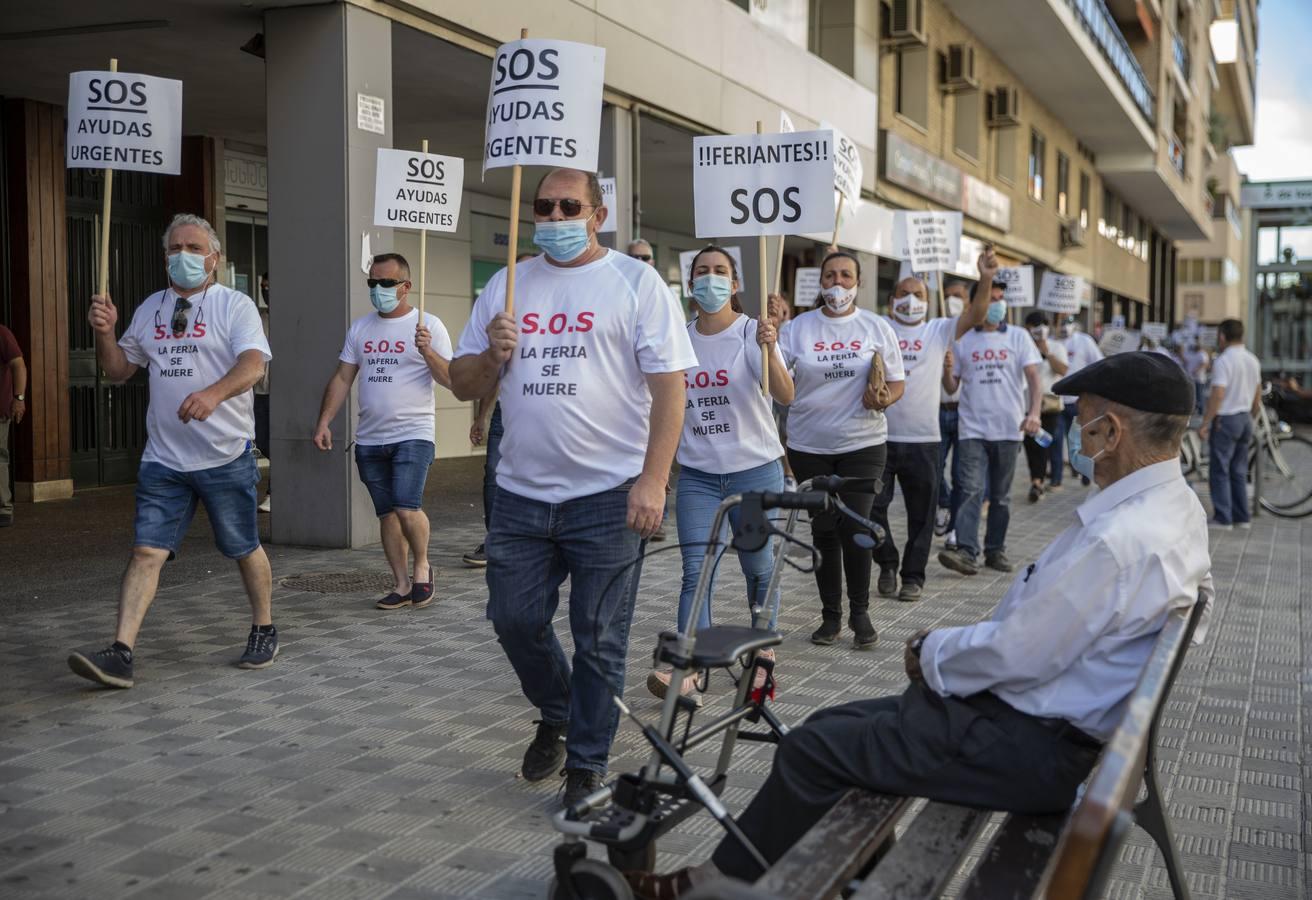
(1180, 55)
(1236, 98)
(1072, 56)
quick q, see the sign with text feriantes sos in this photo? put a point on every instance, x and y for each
(544, 105)
(759, 184)
(418, 190)
(118, 120)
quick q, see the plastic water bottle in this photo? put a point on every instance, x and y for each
(1042, 438)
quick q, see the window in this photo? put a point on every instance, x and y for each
(1107, 216)
(1084, 200)
(1007, 150)
(913, 85)
(966, 118)
(1063, 184)
(1182, 270)
(1038, 152)
(1214, 271)
(1127, 229)
(1197, 271)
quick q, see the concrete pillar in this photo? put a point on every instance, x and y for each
(319, 60)
(615, 160)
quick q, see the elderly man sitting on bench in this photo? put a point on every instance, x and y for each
(1010, 713)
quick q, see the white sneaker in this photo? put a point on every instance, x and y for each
(1244, 526)
(265, 507)
(790, 483)
(942, 517)
(951, 542)
(1220, 526)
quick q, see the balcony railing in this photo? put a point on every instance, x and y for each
(1181, 55)
(1100, 25)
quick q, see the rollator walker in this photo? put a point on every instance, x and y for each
(646, 804)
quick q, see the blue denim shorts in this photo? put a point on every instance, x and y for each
(166, 502)
(395, 473)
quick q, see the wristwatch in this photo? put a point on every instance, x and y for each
(917, 644)
(20, 397)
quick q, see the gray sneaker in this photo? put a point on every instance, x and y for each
(959, 560)
(111, 667)
(261, 648)
(998, 562)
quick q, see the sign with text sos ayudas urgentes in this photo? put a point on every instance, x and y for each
(544, 105)
(117, 120)
(759, 184)
(418, 190)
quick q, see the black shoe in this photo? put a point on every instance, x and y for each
(864, 630)
(959, 561)
(421, 592)
(887, 584)
(545, 755)
(827, 633)
(910, 592)
(476, 559)
(261, 648)
(578, 784)
(394, 600)
(999, 562)
(6, 521)
(1035, 493)
(111, 667)
(1084, 480)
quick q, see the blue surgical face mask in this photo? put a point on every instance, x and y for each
(187, 270)
(563, 241)
(1082, 464)
(384, 299)
(997, 312)
(711, 291)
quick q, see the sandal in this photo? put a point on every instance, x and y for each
(650, 886)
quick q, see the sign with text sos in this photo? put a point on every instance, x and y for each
(611, 225)
(117, 120)
(418, 190)
(1061, 293)
(1020, 285)
(758, 184)
(848, 170)
(544, 105)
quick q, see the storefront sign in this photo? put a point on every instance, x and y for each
(418, 190)
(544, 105)
(806, 287)
(848, 170)
(1275, 194)
(986, 203)
(1020, 285)
(907, 165)
(1062, 293)
(760, 184)
(118, 120)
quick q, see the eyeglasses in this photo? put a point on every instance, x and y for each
(645, 257)
(385, 282)
(179, 321)
(543, 206)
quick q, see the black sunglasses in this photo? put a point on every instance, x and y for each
(385, 282)
(569, 206)
(179, 321)
(645, 257)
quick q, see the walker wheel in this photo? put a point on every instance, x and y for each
(643, 860)
(591, 879)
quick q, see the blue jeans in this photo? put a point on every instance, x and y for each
(394, 474)
(166, 502)
(1201, 390)
(532, 548)
(493, 441)
(993, 462)
(1068, 412)
(699, 495)
(1227, 452)
(949, 496)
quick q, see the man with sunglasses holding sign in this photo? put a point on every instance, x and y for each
(592, 394)
(204, 349)
(398, 357)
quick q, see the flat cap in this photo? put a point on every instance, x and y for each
(1142, 380)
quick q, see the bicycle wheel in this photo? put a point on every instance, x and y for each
(1287, 474)
(1298, 510)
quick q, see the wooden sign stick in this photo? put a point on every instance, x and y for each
(423, 253)
(838, 215)
(104, 217)
(512, 251)
(765, 306)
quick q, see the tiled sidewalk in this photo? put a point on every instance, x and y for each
(379, 756)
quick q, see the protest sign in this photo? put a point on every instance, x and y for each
(759, 184)
(1118, 340)
(1156, 331)
(806, 286)
(1118, 321)
(118, 120)
(848, 170)
(420, 190)
(1061, 293)
(1020, 285)
(608, 200)
(933, 240)
(1207, 337)
(785, 123)
(544, 105)
(685, 267)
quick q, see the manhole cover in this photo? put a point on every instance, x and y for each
(340, 582)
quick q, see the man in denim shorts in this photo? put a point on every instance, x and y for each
(204, 349)
(398, 357)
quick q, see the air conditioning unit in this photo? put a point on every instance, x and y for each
(906, 22)
(958, 69)
(1004, 107)
(1072, 234)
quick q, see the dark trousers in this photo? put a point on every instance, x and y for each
(1227, 451)
(493, 441)
(1038, 457)
(262, 424)
(834, 535)
(916, 468)
(1064, 421)
(976, 751)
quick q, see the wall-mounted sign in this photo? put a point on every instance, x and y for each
(1274, 194)
(907, 165)
(986, 203)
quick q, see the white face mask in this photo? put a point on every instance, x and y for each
(909, 309)
(956, 306)
(838, 298)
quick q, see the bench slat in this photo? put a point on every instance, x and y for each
(922, 861)
(1015, 859)
(837, 847)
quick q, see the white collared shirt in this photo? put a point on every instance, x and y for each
(1072, 635)
(1239, 372)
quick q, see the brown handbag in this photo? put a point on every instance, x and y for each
(879, 381)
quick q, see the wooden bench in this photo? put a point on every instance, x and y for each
(1063, 856)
